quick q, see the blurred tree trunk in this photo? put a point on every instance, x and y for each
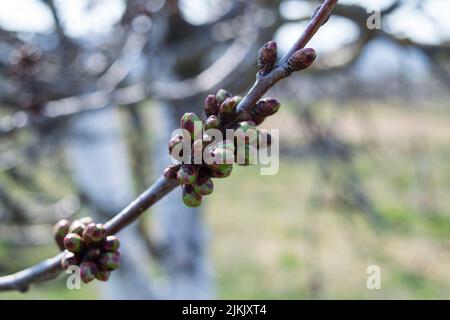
(178, 231)
(101, 168)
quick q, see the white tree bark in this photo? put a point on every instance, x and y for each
(101, 169)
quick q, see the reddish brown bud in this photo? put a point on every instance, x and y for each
(111, 244)
(211, 106)
(94, 233)
(228, 106)
(88, 270)
(213, 122)
(171, 171)
(301, 59)
(103, 275)
(187, 174)
(220, 170)
(204, 186)
(70, 259)
(109, 261)
(267, 56)
(192, 123)
(93, 253)
(190, 197)
(221, 95)
(60, 230)
(265, 107)
(73, 242)
(77, 227)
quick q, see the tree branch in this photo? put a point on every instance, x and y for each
(264, 83)
(149, 197)
(51, 267)
(45, 270)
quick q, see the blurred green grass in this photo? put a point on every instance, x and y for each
(294, 250)
(286, 237)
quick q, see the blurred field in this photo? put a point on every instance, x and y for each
(288, 237)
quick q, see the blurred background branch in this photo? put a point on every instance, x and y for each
(104, 91)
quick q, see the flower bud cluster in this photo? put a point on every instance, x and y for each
(220, 113)
(96, 253)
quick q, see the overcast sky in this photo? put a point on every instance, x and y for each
(32, 15)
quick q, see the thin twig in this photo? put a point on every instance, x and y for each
(264, 83)
(50, 268)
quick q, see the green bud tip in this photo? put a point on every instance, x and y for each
(204, 185)
(228, 106)
(187, 174)
(266, 107)
(73, 242)
(77, 227)
(60, 230)
(220, 170)
(109, 261)
(94, 233)
(192, 123)
(93, 253)
(221, 95)
(88, 270)
(190, 197)
(212, 122)
(111, 243)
